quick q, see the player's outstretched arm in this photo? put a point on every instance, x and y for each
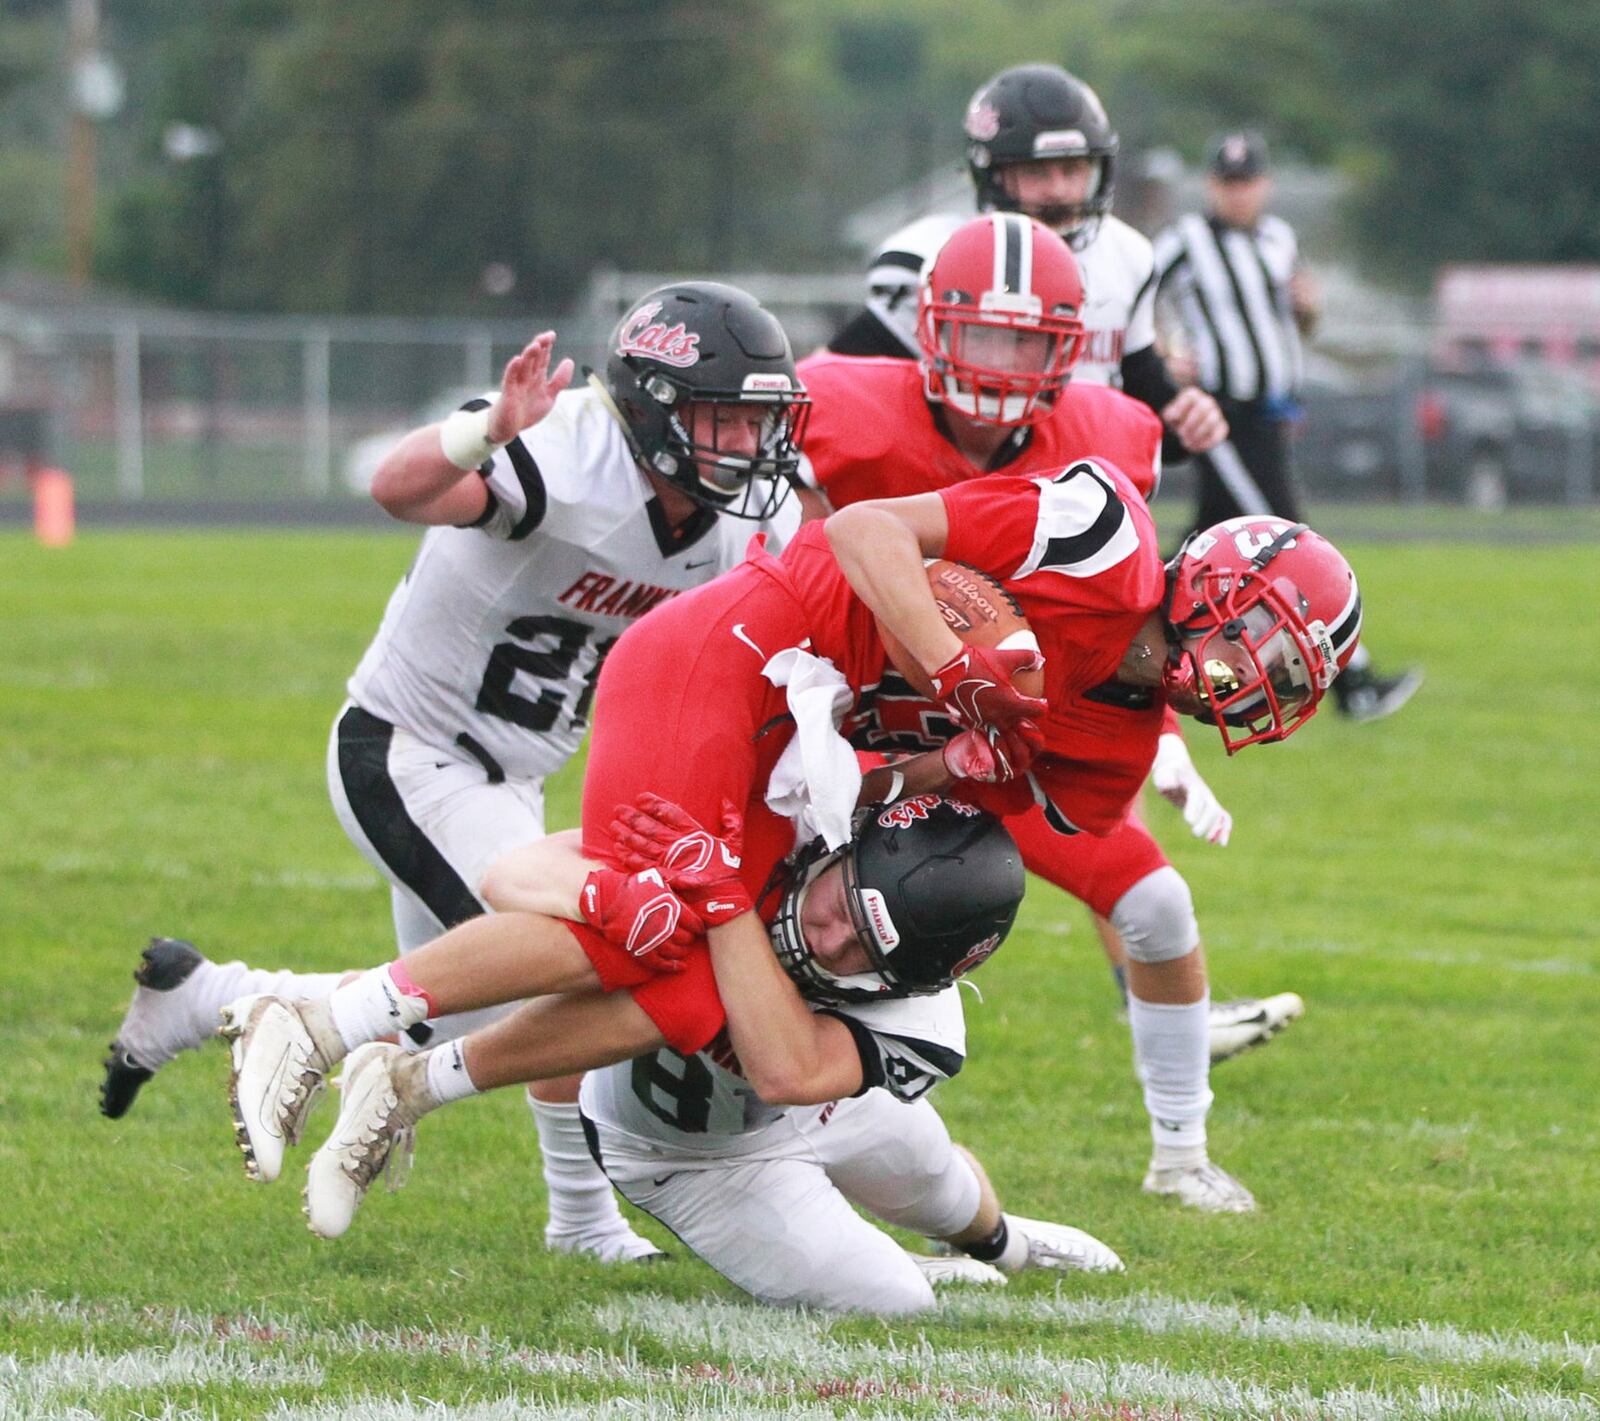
(430, 476)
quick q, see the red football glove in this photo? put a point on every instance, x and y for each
(994, 755)
(698, 866)
(640, 914)
(975, 686)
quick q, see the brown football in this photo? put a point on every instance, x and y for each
(980, 611)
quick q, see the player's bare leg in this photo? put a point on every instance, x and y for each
(387, 1090)
(283, 1047)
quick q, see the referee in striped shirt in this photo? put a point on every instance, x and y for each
(1234, 280)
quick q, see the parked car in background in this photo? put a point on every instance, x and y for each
(1485, 435)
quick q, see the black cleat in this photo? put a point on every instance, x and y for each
(166, 963)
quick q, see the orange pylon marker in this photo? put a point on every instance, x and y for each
(54, 519)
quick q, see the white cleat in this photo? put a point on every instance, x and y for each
(1062, 1247)
(168, 1014)
(1204, 1186)
(282, 1051)
(612, 1246)
(1239, 1025)
(374, 1132)
(957, 1268)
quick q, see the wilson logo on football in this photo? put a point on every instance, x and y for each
(908, 811)
(643, 335)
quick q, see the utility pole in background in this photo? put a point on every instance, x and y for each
(96, 88)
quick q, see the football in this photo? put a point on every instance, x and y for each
(980, 611)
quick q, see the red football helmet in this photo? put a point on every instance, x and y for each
(998, 319)
(1262, 614)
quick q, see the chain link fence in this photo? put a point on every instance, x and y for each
(149, 408)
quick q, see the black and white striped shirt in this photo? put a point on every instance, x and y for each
(1230, 290)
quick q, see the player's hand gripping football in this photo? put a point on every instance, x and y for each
(1180, 783)
(975, 686)
(640, 914)
(702, 868)
(528, 389)
(995, 755)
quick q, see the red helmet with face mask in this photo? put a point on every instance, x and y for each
(999, 320)
(1262, 615)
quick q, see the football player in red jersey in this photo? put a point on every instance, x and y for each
(978, 401)
(692, 703)
(698, 702)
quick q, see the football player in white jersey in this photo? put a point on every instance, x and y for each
(556, 517)
(1039, 142)
(763, 1192)
(727, 1147)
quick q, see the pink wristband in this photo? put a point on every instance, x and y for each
(407, 988)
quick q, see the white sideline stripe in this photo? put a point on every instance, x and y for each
(765, 1339)
(27, 1387)
(1154, 1313)
(781, 1359)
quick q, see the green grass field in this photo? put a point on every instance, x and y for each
(1423, 1144)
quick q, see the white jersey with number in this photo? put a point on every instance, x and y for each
(494, 639)
(692, 1108)
(1118, 300)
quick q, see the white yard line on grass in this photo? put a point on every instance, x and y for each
(29, 1388)
(1155, 1313)
(801, 1343)
(786, 1363)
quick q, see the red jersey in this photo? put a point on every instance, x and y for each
(872, 433)
(1079, 553)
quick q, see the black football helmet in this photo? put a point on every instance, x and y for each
(1036, 111)
(932, 886)
(705, 343)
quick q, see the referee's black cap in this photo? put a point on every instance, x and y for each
(1238, 155)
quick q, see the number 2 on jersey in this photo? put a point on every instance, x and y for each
(545, 650)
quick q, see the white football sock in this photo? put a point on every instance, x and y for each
(581, 1198)
(375, 1005)
(228, 981)
(160, 1024)
(1171, 1052)
(445, 1068)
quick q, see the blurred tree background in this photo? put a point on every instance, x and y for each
(481, 155)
